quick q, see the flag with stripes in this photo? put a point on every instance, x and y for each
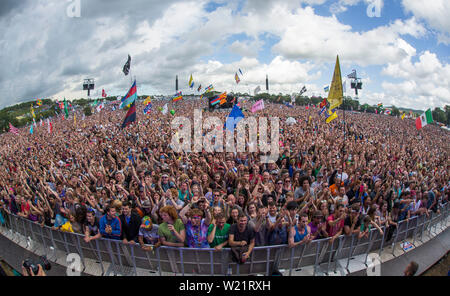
(178, 96)
(13, 129)
(236, 77)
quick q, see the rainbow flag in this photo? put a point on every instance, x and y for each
(39, 102)
(215, 101)
(178, 96)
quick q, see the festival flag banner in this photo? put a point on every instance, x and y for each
(209, 88)
(403, 116)
(323, 104)
(147, 101)
(31, 129)
(424, 119)
(322, 110)
(39, 102)
(104, 93)
(288, 105)
(344, 86)
(66, 108)
(387, 112)
(259, 105)
(336, 95)
(233, 119)
(32, 111)
(130, 116)
(257, 90)
(49, 126)
(191, 82)
(100, 107)
(199, 88)
(236, 77)
(126, 67)
(13, 129)
(148, 108)
(74, 119)
(332, 115)
(223, 98)
(177, 97)
(215, 101)
(130, 97)
(352, 75)
(326, 88)
(240, 71)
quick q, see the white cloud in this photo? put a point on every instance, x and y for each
(436, 13)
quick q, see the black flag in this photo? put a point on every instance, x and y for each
(126, 67)
(303, 90)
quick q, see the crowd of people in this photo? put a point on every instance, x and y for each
(94, 178)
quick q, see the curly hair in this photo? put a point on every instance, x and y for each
(171, 211)
(195, 212)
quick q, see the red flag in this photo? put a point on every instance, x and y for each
(104, 94)
(323, 104)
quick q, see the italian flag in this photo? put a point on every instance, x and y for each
(424, 119)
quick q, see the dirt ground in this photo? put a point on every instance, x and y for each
(439, 269)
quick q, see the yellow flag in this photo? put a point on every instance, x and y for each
(336, 93)
(331, 116)
(147, 100)
(403, 116)
(75, 119)
(32, 112)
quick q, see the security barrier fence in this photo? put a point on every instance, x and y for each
(322, 255)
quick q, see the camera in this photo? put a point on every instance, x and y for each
(30, 263)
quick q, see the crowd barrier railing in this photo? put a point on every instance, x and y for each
(120, 258)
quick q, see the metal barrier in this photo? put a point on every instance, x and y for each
(322, 255)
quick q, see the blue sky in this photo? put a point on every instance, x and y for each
(402, 56)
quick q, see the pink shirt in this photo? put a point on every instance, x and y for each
(335, 229)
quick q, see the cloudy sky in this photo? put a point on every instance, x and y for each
(402, 55)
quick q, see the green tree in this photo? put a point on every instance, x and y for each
(395, 111)
(439, 115)
(87, 111)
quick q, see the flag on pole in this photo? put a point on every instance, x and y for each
(66, 108)
(191, 82)
(215, 101)
(233, 119)
(223, 98)
(240, 72)
(104, 93)
(331, 116)
(147, 101)
(131, 115)
(322, 110)
(31, 129)
(50, 126)
(32, 111)
(199, 88)
(424, 119)
(130, 97)
(100, 107)
(74, 119)
(288, 105)
(352, 75)
(303, 90)
(336, 95)
(323, 104)
(403, 116)
(387, 112)
(41, 122)
(13, 129)
(178, 96)
(326, 88)
(209, 88)
(148, 108)
(126, 67)
(257, 90)
(236, 77)
(259, 105)
(39, 102)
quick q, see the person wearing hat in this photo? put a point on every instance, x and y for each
(148, 234)
(318, 226)
(165, 183)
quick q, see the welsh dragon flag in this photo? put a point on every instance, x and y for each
(424, 119)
